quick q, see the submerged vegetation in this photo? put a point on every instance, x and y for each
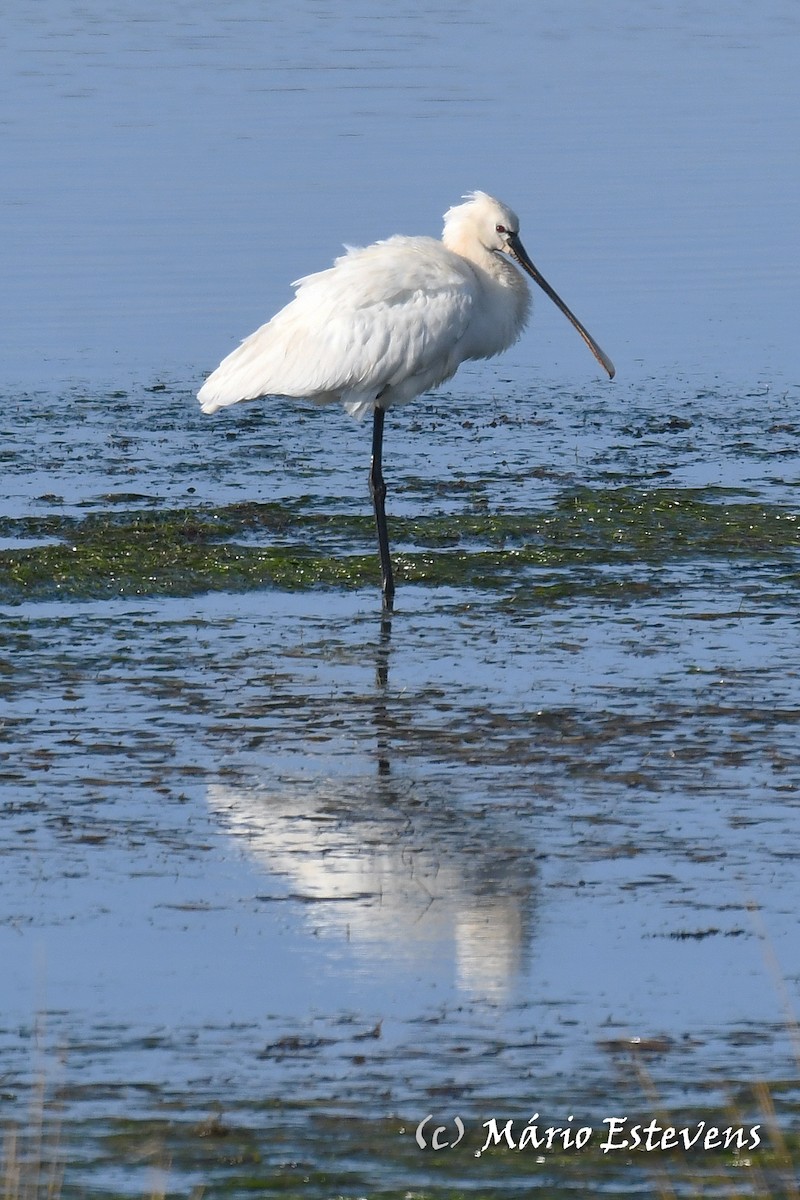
(239, 546)
(297, 1147)
(300, 1151)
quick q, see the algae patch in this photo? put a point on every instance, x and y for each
(187, 551)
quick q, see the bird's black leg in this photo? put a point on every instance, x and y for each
(377, 489)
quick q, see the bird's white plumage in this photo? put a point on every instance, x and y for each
(387, 322)
(390, 321)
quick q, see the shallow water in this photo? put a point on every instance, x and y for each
(283, 877)
(265, 845)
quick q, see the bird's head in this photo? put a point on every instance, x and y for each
(482, 217)
(495, 226)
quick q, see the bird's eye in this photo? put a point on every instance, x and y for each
(501, 229)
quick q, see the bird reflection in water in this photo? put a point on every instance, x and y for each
(394, 861)
(382, 726)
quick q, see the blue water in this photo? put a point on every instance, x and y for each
(201, 851)
(170, 170)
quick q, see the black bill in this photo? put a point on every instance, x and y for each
(517, 250)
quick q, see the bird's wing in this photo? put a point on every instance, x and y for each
(380, 315)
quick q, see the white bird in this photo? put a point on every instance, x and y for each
(390, 321)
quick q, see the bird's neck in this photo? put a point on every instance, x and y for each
(495, 265)
(462, 241)
(506, 290)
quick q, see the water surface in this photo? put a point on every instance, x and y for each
(282, 877)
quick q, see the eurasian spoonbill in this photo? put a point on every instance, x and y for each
(390, 321)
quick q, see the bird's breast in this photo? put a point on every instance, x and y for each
(500, 312)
